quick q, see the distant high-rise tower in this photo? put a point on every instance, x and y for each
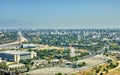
(78, 36)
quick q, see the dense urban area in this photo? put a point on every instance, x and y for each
(60, 52)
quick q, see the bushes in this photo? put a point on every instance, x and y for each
(81, 64)
(3, 65)
(111, 65)
(58, 73)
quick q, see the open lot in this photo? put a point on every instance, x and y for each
(91, 61)
(51, 71)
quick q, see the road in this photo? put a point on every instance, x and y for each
(20, 39)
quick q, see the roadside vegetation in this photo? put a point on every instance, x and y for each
(8, 37)
(99, 70)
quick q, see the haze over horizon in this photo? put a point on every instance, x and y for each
(59, 14)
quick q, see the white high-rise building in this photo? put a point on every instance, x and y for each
(72, 52)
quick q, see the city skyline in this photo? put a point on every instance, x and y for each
(59, 14)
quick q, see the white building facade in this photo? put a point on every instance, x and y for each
(16, 56)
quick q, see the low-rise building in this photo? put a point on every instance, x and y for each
(18, 66)
(39, 62)
(28, 46)
(16, 56)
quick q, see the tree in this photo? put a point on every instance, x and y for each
(97, 70)
(28, 67)
(81, 64)
(106, 71)
(109, 61)
(16, 71)
(101, 73)
(3, 65)
(58, 73)
(111, 65)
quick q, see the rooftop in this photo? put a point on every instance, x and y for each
(14, 52)
(28, 44)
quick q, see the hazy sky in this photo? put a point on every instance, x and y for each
(57, 14)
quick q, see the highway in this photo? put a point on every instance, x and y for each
(20, 39)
